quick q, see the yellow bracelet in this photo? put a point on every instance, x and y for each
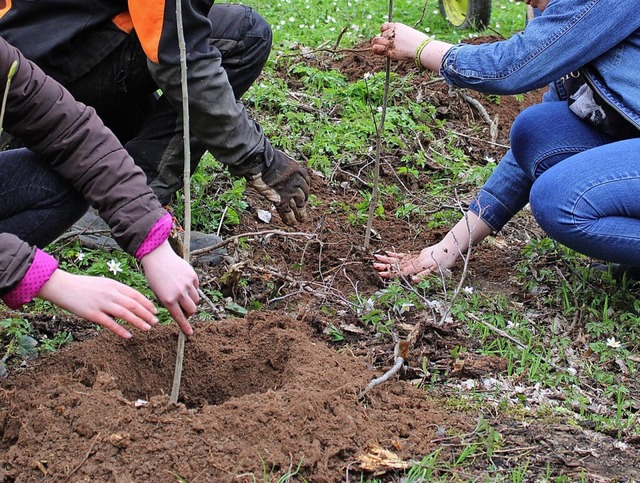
(419, 50)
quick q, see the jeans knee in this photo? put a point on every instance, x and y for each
(552, 209)
(523, 133)
(542, 212)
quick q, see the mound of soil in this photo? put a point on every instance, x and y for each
(260, 394)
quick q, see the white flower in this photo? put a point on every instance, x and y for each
(612, 342)
(369, 305)
(367, 75)
(114, 266)
(405, 307)
(512, 325)
(468, 290)
(80, 256)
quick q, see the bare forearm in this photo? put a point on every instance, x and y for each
(471, 229)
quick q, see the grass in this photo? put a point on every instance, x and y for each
(308, 23)
(589, 388)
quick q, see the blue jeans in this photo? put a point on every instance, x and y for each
(582, 185)
(37, 204)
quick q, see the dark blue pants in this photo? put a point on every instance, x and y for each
(37, 204)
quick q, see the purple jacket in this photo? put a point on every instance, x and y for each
(79, 148)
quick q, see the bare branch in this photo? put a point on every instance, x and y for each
(400, 353)
(231, 239)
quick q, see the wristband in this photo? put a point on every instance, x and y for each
(157, 235)
(419, 50)
(39, 273)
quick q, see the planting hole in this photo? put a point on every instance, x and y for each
(228, 365)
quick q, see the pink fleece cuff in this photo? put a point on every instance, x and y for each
(38, 274)
(156, 236)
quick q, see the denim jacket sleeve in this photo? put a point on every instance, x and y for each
(568, 35)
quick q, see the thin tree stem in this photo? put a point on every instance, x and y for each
(379, 131)
(177, 374)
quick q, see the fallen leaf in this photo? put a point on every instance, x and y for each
(378, 459)
(264, 215)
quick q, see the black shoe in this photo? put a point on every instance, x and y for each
(201, 240)
(618, 270)
(93, 232)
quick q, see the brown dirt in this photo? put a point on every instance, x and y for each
(263, 394)
(261, 387)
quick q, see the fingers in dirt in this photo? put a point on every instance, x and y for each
(179, 316)
(108, 323)
(131, 318)
(390, 258)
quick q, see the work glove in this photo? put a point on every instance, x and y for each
(286, 184)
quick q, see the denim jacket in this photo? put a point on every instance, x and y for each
(600, 37)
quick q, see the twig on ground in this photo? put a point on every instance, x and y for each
(221, 222)
(231, 239)
(493, 126)
(86, 456)
(520, 345)
(339, 38)
(207, 299)
(354, 176)
(498, 331)
(323, 49)
(400, 353)
(475, 138)
(435, 80)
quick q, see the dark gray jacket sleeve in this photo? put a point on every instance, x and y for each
(217, 119)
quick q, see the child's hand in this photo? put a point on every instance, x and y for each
(397, 41)
(174, 282)
(100, 300)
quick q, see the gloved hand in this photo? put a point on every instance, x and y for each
(286, 184)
